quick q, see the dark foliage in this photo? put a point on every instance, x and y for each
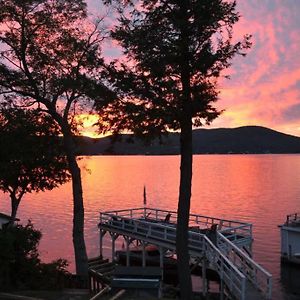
(31, 156)
(51, 60)
(20, 264)
(165, 44)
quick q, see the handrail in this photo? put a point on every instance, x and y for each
(261, 278)
(241, 231)
(194, 218)
(232, 264)
(197, 242)
(229, 273)
(292, 218)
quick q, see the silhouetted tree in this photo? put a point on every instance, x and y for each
(20, 263)
(50, 59)
(174, 52)
(31, 156)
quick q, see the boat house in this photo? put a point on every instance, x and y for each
(290, 239)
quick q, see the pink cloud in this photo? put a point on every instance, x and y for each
(266, 83)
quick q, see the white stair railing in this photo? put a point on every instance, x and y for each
(229, 274)
(261, 278)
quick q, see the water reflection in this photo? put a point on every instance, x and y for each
(260, 189)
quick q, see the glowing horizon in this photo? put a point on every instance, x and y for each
(88, 130)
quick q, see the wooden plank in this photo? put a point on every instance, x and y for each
(99, 276)
(138, 271)
(102, 292)
(118, 295)
(104, 265)
(109, 274)
(104, 270)
(17, 297)
(135, 283)
(97, 262)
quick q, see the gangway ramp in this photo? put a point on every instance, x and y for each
(242, 276)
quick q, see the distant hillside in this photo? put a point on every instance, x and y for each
(248, 139)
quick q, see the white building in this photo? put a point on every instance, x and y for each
(5, 219)
(290, 238)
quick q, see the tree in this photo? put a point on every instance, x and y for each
(174, 52)
(50, 59)
(20, 263)
(32, 159)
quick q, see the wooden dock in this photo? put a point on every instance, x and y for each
(224, 246)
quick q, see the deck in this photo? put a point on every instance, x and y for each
(224, 244)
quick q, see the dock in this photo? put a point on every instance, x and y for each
(224, 246)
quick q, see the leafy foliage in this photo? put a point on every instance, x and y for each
(32, 159)
(50, 55)
(20, 264)
(170, 47)
(51, 60)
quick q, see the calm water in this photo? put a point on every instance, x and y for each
(260, 189)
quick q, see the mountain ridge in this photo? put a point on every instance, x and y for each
(245, 139)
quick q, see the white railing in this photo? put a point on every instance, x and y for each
(198, 243)
(253, 271)
(239, 235)
(292, 219)
(232, 264)
(232, 277)
(141, 227)
(228, 272)
(204, 222)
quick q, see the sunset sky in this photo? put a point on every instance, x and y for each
(265, 85)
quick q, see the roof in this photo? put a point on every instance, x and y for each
(4, 216)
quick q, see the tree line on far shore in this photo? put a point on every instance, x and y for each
(52, 68)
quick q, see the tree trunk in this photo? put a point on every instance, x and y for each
(186, 143)
(14, 208)
(78, 208)
(184, 210)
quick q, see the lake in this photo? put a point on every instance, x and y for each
(260, 189)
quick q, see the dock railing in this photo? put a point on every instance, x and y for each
(233, 265)
(199, 245)
(204, 222)
(292, 219)
(234, 279)
(258, 276)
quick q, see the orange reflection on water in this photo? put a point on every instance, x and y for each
(260, 189)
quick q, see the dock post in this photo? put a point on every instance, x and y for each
(204, 279)
(144, 254)
(113, 249)
(102, 234)
(161, 257)
(221, 287)
(100, 245)
(161, 260)
(127, 251)
(114, 236)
